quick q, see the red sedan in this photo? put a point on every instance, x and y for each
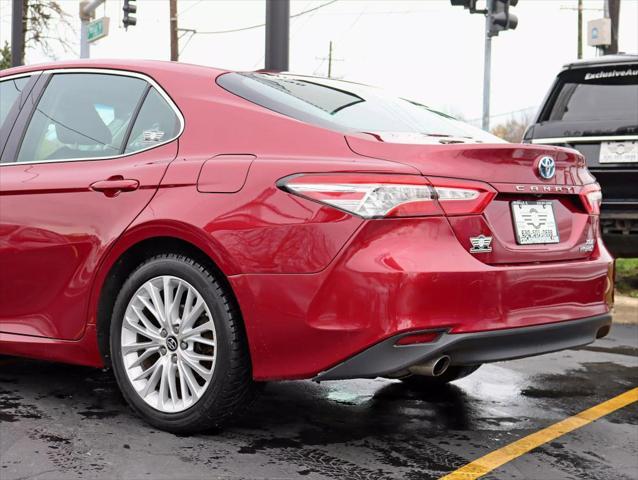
(200, 231)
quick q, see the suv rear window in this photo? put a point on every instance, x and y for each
(598, 94)
(346, 107)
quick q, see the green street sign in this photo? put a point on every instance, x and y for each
(98, 29)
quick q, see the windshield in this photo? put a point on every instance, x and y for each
(349, 107)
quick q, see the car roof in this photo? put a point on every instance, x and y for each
(140, 66)
(619, 59)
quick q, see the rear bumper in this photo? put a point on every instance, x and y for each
(404, 275)
(386, 357)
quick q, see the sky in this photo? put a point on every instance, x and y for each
(426, 50)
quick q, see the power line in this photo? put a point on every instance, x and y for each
(190, 7)
(503, 114)
(363, 10)
(242, 29)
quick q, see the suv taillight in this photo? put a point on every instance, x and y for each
(592, 197)
(372, 195)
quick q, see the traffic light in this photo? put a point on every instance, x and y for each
(129, 7)
(500, 17)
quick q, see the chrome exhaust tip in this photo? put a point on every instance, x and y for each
(432, 368)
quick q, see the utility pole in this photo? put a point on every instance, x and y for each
(87, 12)
(579, 9)
(17, 33)
(277, 35)
(174, 38)
(612, 11)
(330, 59)
(487, 68)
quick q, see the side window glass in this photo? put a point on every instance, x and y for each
(81, 115)
(156, 123)
(10, 91)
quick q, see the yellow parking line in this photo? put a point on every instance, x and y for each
(499, 457)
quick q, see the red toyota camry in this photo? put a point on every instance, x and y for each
(200, 231)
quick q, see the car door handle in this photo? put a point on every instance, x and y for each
(115, 185)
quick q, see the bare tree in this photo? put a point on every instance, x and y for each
(513, 129)
(46, 26)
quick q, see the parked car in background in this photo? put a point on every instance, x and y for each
(201, 231)
(593, 107)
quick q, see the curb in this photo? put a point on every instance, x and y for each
(625, 309)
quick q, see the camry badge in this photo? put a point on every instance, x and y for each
(481, 244)
(546, 167)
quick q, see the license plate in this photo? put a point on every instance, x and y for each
(618, 152)
(534, 222)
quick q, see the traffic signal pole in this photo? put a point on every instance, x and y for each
(497, 19)
(87, 12)
(487, 69)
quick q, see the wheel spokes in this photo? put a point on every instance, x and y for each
(158, 304)
(193, 315)
(204, 327)
(136, 347)
(145, 356)
(133, 326)
(169, 344)
(193, 364)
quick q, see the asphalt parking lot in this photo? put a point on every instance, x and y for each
(65, 422)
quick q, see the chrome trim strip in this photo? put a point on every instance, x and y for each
(106, 71)
(601, 138)
(19, 75)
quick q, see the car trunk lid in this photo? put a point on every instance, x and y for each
(511, 170)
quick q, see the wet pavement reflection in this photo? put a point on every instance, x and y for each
(59, 421)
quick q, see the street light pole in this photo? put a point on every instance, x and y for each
(17, 33)
(277, 34)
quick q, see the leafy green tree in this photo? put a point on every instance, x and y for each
(5, 56)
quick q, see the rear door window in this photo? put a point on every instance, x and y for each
(10, 91)
(155, 124)
(82, 115)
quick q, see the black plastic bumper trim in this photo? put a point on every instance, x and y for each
(386, 358)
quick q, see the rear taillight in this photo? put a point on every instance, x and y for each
(591, 197)
(379, 195)
(462, 197)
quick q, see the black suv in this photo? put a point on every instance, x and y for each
(593, 107)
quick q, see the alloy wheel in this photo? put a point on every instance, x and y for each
(168, 344)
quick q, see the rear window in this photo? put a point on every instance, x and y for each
(597, 94)
(345, 106)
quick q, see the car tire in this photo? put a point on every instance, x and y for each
(185, 400)
(453, 373)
